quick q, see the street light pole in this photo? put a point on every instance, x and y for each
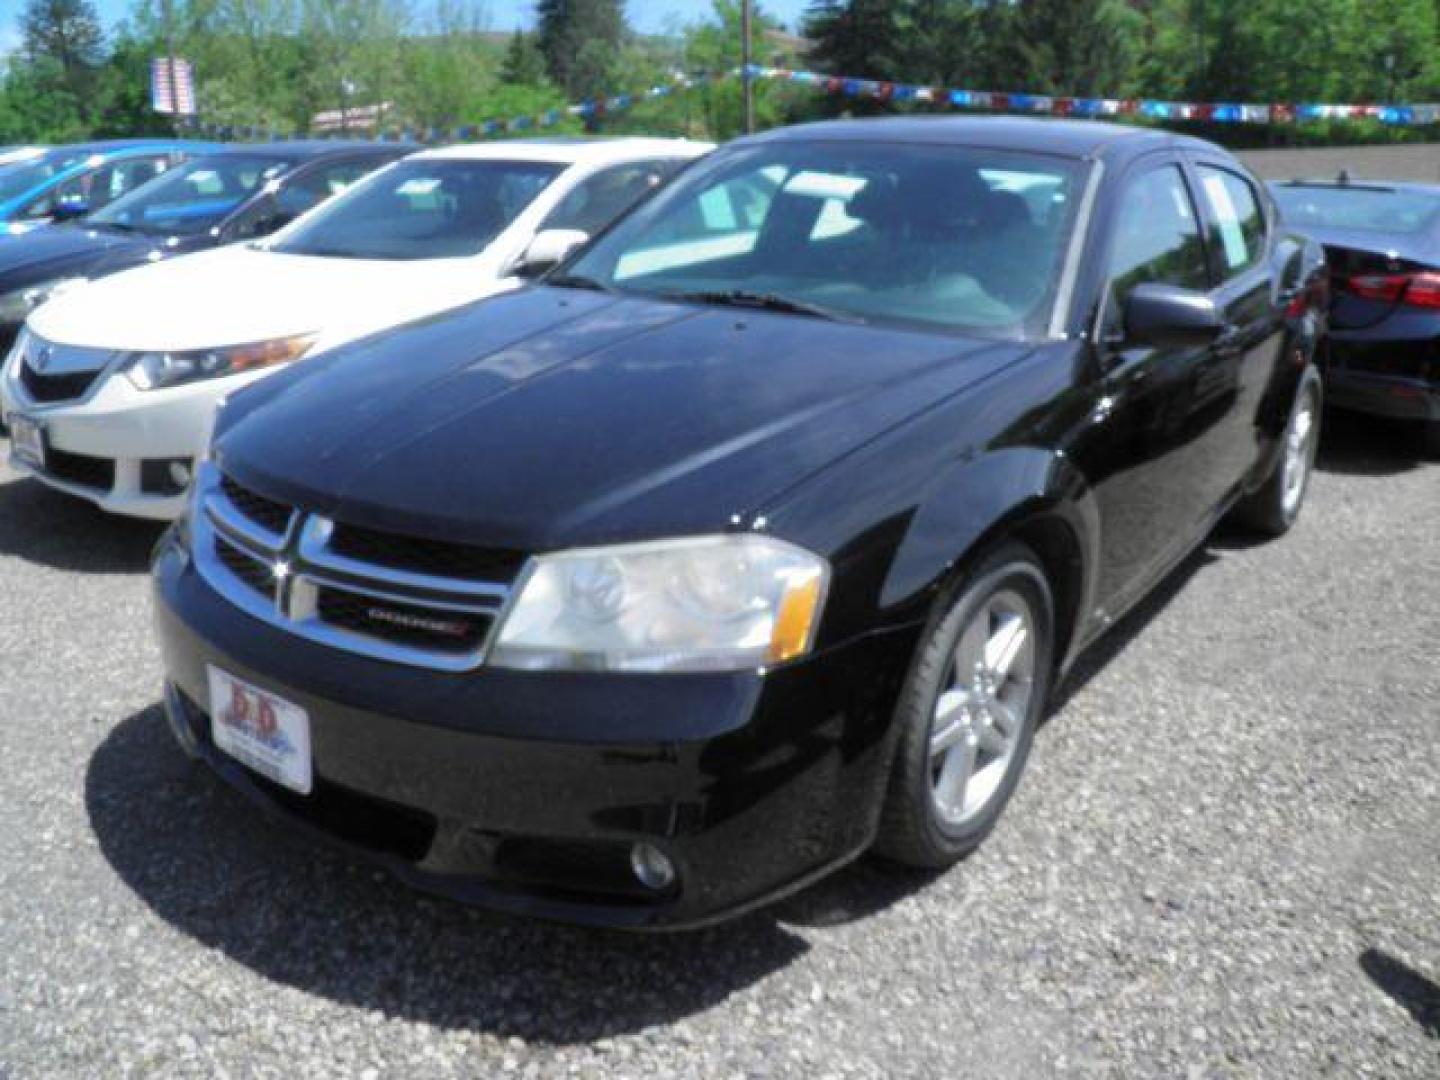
(747, 81)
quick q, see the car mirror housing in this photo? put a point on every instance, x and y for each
(1169, 317)
(548, 249)
(69, 208)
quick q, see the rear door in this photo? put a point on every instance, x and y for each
(1240, 228)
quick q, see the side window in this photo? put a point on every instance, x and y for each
(1238, 221)
(1157, 237)
(317, 185)
(600, 198)
(109, 183)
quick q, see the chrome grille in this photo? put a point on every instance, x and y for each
(281, 565)
(51, 373)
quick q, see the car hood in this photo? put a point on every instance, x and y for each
(63, 249)
(550, 418)
(240, 294)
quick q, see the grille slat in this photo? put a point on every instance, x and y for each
(438, 558)
(411, 625)
(255, 574)
(272, 516)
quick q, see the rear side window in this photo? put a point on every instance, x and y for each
(1157, 237)
(1238, 220)
(600, 198)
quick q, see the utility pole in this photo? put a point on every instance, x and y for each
(747, 81)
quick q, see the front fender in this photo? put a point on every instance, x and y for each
(979, 501)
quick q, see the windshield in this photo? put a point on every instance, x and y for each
(1365, 209)
(947, 237)
(20, 177)
(427, 209)
(192, 197)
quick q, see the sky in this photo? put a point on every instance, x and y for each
(648, 16)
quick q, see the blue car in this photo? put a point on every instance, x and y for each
(69, 181)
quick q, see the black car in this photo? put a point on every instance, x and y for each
(1383, 245)
(757, 536)
(238, 193)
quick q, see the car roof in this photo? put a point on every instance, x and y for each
(306, 149)
(569, 151)
(1066, 138)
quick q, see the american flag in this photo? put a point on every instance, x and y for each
(162, 95)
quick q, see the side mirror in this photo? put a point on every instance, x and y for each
(70, 207)
(1169, 317)
(548, 249)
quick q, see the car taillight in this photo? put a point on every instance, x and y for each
(1413, 290)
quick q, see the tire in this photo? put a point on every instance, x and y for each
(925, 821)
(1273, 508)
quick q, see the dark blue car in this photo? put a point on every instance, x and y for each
(1382, 242)
(234, 193)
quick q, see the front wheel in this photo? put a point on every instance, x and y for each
(968, 712)
(1274, 507)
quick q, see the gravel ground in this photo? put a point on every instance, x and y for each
(1223, 862)
(1414, 162)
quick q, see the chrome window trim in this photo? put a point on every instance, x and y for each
(293, 605)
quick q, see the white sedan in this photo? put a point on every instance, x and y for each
(111, 390)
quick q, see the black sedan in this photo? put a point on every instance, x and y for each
(1383, 246)
(758, 535)
(239, 193)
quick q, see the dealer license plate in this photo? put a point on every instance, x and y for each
(261, 730)
(27, 440)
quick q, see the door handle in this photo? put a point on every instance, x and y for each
(1229, 339)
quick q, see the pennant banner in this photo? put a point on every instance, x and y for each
(878, 90)
(1099, 108)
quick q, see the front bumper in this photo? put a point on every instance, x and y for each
(525, 791)
(111, 445)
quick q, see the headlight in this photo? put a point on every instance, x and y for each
(15, 306)
(158, 370)
(706, 604)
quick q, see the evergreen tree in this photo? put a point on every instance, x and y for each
(63, 41)
(524, 64)
(863, 38)
(1079, 47)
(581, 40)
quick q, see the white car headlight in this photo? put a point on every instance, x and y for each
(715, 603)
(159, 370)
(16, 306)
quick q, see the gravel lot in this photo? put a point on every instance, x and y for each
(1224, 862)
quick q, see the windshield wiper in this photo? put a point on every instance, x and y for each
(575, 281)
(764, 301)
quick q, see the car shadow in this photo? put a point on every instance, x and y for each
(1417, 994)
(302, 915)
(1098, 655)
(60, 531)
(1353, 444)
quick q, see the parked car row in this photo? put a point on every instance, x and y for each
(632, 545)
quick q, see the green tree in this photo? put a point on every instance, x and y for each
(581, 41)
(524, 63)
(1080, 47)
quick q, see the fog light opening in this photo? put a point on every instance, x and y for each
(652, 867)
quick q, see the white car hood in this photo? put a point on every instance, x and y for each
(240, 294)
